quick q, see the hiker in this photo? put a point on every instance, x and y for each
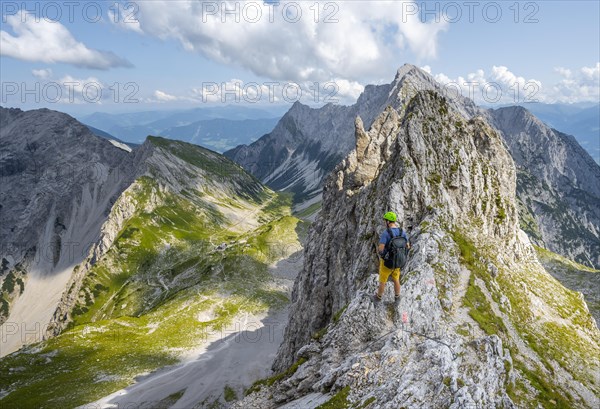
(392, 255)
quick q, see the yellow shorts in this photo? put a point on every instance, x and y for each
(384, 273)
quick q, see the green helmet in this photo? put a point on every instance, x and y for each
(390, 216)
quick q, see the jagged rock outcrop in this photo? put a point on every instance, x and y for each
(480, 324)
(558, 185)
(308, 143)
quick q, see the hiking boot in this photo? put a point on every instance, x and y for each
(396, 299)
(376, 298)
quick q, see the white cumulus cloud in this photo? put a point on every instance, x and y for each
(164, 97)
(581, 85)
(51, 42)
(297, 41)
(498, 86)
(42, 74)
(239, 91)
(501, 85)
(125, 16)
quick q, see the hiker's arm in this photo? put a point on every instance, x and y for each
(380, 249)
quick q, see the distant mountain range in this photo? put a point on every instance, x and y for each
(217, 128)
(221, 134)
(106, 135)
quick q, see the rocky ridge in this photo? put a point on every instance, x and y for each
(480, 324)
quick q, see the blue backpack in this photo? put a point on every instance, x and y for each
(396, 251)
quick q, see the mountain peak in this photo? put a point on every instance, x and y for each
(405, 70)
(297, 108)
(517, 112)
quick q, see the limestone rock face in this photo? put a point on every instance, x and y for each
(58, 183)
(476, 304)
(558, 186)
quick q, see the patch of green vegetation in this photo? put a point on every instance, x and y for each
(176, 396)
(161, 289)
(229, 394)
(517, 390)
(577, 278)
(547, 255)
(278, 206)
(118, 348)
(367, 402)
(466, 248)
(256, 386)
(443, 106)
(320, 333)
(167, 402)
(215, 404)
(9, 283)
(507, 366)
(21, 285)
(447, 380)
(531, 291)
(463, 331)
(138, 253)
(434, 178)
(76, 368)
(548, 396)
(558, 342)
(338, 314)
(424, 226)
(479, 307)
(500, 212)
(309, 211)
(4, 307)
(275, 240)
(217, 166)
(454, 167)
(552, 342)
(338, 401)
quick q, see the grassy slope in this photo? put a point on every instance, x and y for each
(552, 321)
(574, 276)
(161, 289)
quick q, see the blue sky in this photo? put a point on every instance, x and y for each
(180, 54)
